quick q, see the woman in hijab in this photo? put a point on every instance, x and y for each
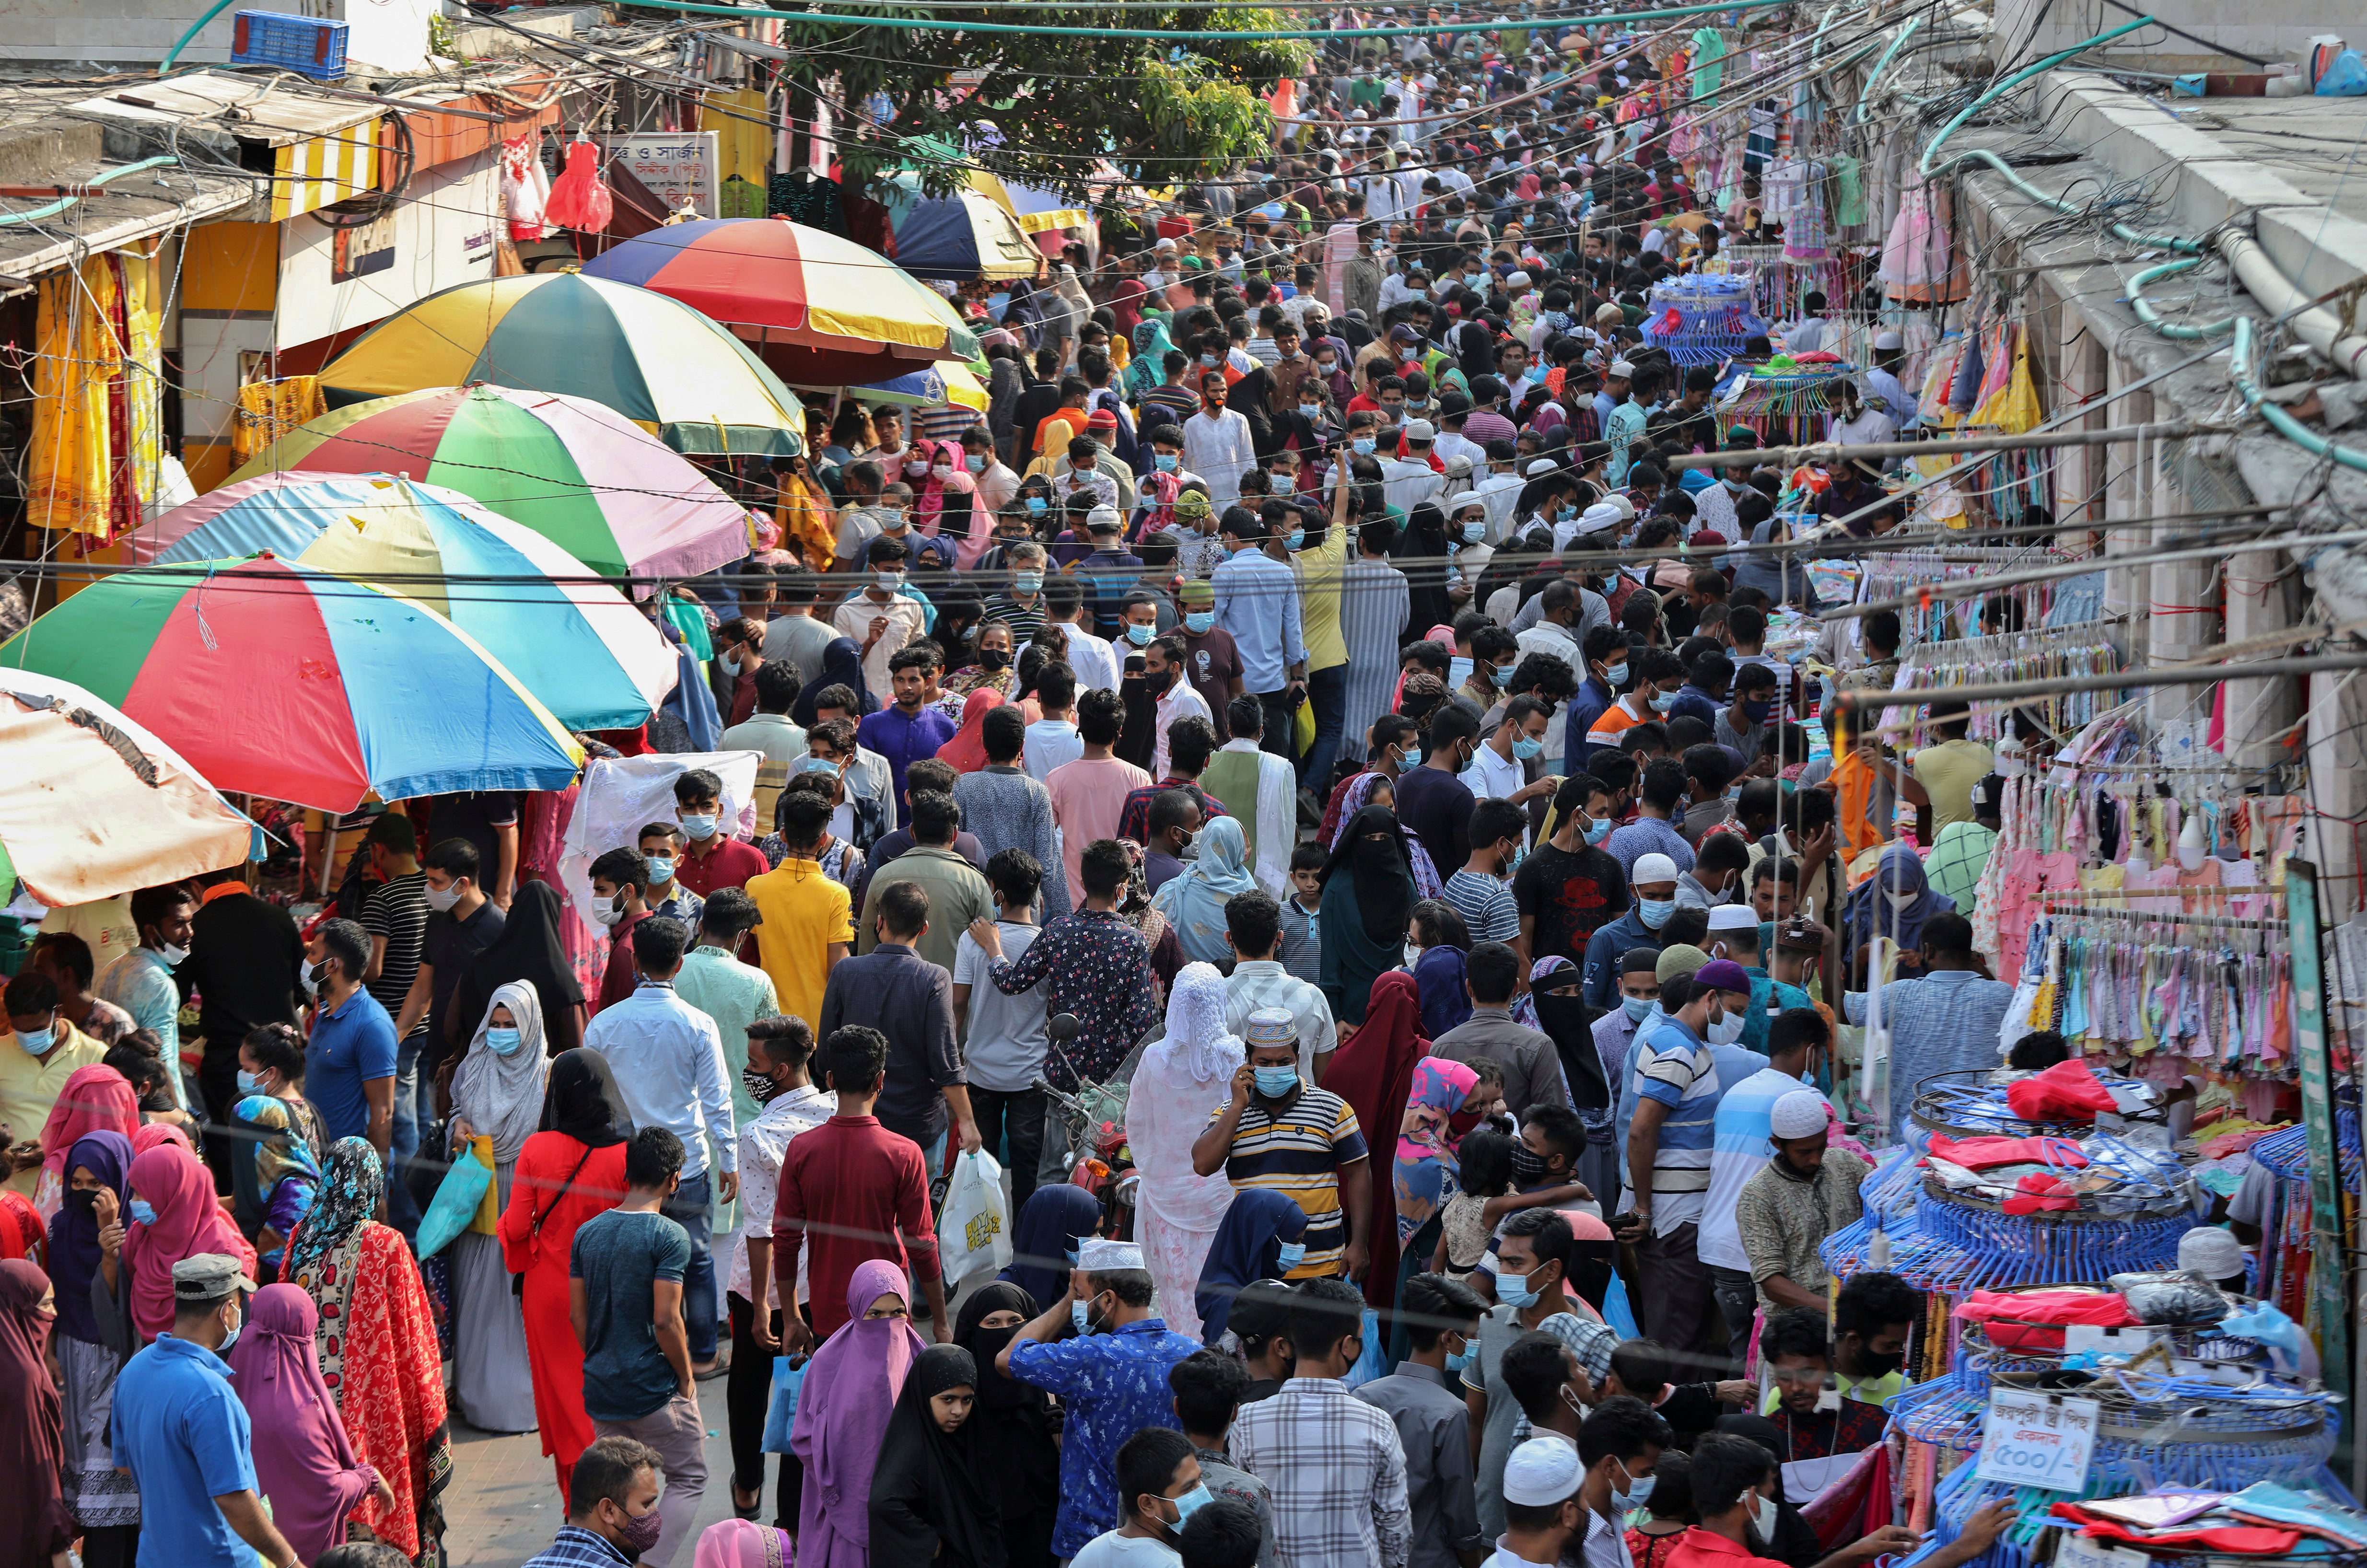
(1263, 1237)
(945, 499)
(572, 1168)
(32, 1426)
(850, 1388)
(931, 1497)
(1421, 553)
(1368, 896)
(1053, 1221)
(1193, 901)
(743, 1543)
(1015, 1423)
(156, 1134)
(1447, 1100)
(1894, 902)
(1375, 789)
(528, 950)
(1151, 347)
(496, 1106)
(967, 750)
(1134, 908)
(1439, 976)
(92, 1341)
(803, 512)
(95, 1099)
(1188, 1076)
(286, 1174)
(177, 1192)
(376, 1339)
(842, 665)
(1373, 1071)
(304, 1463)
(993, 672)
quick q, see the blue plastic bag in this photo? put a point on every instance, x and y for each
(1374, 1361)
(788, 1376)
(1616, 1310)
(2346, 78)
(456, 1202)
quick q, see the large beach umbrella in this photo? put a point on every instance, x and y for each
(961, 236)
(92, 805)
(575, 471)
(791, 285)
(276, 679)
(646, 354)
(577, 644)
(948, 381)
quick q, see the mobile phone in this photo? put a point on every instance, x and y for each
(1620, 1221)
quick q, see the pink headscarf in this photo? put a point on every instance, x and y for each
(95, 1099)
(155, 1135)
(303, 1460)
(967, 750)
(849, 1391)
(743, 1543)
(176, 1185)
(929, 497)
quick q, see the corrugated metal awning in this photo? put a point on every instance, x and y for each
(119, 214)
(270, 111)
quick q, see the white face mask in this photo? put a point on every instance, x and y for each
(1899, 898)
(1764, 1516)
(1727, 1030)
(172, 955)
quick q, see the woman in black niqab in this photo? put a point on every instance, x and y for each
(932, 1502)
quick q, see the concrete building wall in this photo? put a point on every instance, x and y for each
(2271, 29)
(388, 33)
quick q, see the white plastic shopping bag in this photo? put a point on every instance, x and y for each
(974, 1231)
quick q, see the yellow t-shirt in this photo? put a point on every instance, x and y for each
(1319, 573)
(30, 1085)
(1948, 773)
(804, 912)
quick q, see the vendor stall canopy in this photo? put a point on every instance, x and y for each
(276, 679)
(577, 644)
(92, 805)
(647, 354)
(573, 470)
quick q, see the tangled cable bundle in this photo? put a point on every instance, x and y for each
(1702, 318)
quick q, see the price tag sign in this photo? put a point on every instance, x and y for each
(2038, 1439)
(2079, 1552)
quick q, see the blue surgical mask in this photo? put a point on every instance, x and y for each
(1655, 912)
(1037, 503)
(1140, 636)
(1291, 1255)
(1027, 581)
(1616, 675)
(1189, 1503)
(503, 1041)
(701, 826)
(1077, 1315)
(1276, 1082)
(1598, 830)
(249, 1083)
(1664, 702)
(1071, 1253)
(1636, 1008)
(1512, 1289)
(1297, 538)
(1198, 622)
(661, 870)
(38, 1041)
(1457, 1360)
(1165, 461)
(1457, 671)
(1627, 1502)
(143, 1211)
(229, 1339)
(1475, 532)
(1526, 749)
(1363, 446)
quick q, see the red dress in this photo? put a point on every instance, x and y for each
(554, 1358)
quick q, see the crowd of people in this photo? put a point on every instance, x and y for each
(1320, 683)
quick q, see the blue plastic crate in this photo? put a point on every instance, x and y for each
(309, 45)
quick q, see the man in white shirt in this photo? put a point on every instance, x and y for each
(1806, 335)
(1408, 481)
(1498, 491)
(880, 620)
(1094, 661)
(1165, 667)
(1053, 741)
(1253, 929)
(1499, 769)
(1217, 444)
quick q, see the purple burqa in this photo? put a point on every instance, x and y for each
(303, 1460)
(848, 1395)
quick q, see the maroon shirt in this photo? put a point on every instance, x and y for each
(729, 865)
(866, 1191)
(618, 980)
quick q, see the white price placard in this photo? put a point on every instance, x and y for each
(2077, 1551)
(2037, 1439)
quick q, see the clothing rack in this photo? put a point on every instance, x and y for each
(2068, 905)
(1935, 667)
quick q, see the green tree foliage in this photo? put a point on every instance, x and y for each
(1042, 109)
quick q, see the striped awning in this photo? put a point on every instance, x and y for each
(323, 170)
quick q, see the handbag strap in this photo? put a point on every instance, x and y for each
(534, 1234)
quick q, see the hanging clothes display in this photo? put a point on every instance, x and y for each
(93, 452)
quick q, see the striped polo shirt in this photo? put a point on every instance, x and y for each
(1673, 1066)
(1299, 1152)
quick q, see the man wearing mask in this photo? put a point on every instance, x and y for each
(710, 859)
(1652, 883)
(349, 1062)
(880, 620)
(612, 1498)
(1604, 663)
(43, 1050)
(1538, 1504)
(1217, 445)
(1530, 1280)
(141, 982)
(1670, 1139)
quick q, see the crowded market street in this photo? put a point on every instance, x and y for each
(1261, 784)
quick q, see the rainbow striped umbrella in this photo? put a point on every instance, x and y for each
(650, 357)
(577, 473)
(577, 644)
(276, 679)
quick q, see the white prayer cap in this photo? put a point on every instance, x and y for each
(1598, 517)
(1459, 466)
(1622, 367)
(1420, 429)
(1456, 504)
(1096, 1256)
(1539, 468)
(1799, 1114)
(1518, 280)
(1885, 341)
(2210, 1252)
(1626, 507)
(1733, 918)
(1652, 868)
(1542, 1473)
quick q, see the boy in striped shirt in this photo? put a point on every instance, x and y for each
(1281, 1132)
